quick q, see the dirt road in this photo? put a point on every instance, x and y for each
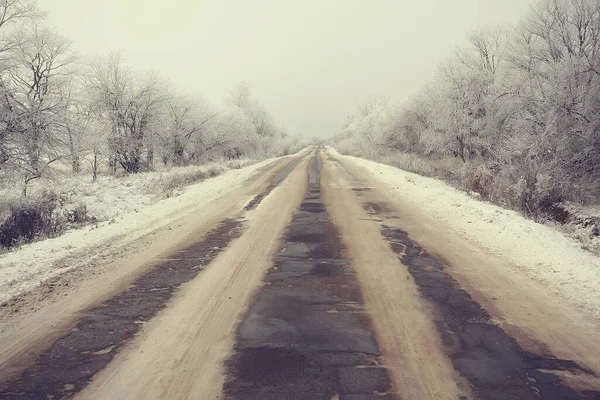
(312, 281)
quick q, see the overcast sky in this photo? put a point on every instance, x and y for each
(308, 61)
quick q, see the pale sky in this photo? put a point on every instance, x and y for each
(308, 61)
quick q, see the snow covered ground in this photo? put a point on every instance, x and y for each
(110, 197)
(541, 251)
(127, 208)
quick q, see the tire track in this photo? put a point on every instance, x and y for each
(493, 362)
(307, 335)
(69, 364)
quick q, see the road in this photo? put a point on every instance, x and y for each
(311, 281)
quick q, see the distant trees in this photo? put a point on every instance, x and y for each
(145, 116)
(56, 108)
(521, 106)
(266, 133)
(367, 121)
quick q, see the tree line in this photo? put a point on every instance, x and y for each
(58, 107)
(519, 109)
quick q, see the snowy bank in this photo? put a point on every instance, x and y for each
(128, 211)
(544, 253)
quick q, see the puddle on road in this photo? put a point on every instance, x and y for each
(496, 366)
(307, 336)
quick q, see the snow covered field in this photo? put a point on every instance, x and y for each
(127, 208)
(110, 197)
(541, 251)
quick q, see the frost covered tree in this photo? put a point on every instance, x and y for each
(14, 14)
(130, 103)
(519, 108)
(267, 132)
(35, 99)
(190, 131)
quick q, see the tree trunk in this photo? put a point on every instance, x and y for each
(75, 160)
(113, 155)
(34, 147)
(528, 206)
(177, 153)
(95, 167)
(150, 157)
(461, 148)
(112, 164)
(34, 157)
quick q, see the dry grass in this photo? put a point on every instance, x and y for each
(176, 178)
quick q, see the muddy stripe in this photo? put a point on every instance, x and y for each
(491, 360)
(280, 177)
(307, 336)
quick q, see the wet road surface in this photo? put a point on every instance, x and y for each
(307, 335)
(308, 331)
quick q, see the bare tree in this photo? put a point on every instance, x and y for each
(242, 97)
(523, 103)
(490, 47)
(187, 127)
(15, 12)
(130, 103)
(34, 99)
(12, 14)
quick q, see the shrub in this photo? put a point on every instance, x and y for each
(214, 170)
(79, 214)
(29, 218)
(479, 179)
(241, 163)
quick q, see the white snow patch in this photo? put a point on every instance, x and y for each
(544, 253)
(110, 197)
(128, 211)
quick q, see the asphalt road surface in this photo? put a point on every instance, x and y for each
(308, 282)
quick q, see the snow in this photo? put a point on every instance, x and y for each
(110, 197)
(542, 252)
(128, 208)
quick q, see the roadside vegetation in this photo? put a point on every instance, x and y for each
(66, 118)
(514, 118)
